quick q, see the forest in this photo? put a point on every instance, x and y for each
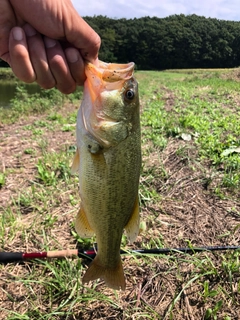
(174, 42)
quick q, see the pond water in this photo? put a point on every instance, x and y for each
(8, 90)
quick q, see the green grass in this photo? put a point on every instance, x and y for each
(208, 110)
(189, 195)
(7, 74)
(47, 101)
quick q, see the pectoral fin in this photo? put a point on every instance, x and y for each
(82, 225)
(132, 227)
(76, 162)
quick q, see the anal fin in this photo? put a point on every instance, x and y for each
(82, 225)
(132, 227)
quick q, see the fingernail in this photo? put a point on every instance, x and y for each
(49, 42)
(29, 30)
(72, 55)
(18, 34)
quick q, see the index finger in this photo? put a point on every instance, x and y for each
(84, 38)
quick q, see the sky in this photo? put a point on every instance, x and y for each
(220, 9)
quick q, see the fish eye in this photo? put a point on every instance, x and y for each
(129, 94)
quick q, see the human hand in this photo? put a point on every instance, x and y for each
(46, 41)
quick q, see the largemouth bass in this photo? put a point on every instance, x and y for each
(108, 160)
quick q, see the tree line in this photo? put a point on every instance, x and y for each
(177, 41)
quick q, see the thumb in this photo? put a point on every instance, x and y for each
(83, 37)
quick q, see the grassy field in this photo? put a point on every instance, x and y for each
(189, 194)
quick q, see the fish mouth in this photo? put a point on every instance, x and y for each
(110, 72)
(107, 76)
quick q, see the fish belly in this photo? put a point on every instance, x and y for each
(109, 191)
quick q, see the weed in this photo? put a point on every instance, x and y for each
(212, 313)
(29, 151)
(2, 179)
(45, 174)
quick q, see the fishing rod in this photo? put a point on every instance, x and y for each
(8, 257)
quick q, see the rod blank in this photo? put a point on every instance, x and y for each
(9, 257)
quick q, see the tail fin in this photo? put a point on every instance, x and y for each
(113, 277)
